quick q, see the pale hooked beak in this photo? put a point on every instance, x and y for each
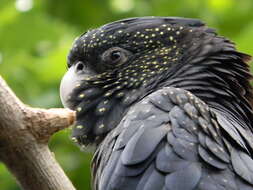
(69, 81)
(73, 78)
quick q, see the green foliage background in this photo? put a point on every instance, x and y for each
(35, 40)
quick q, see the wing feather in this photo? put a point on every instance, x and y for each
(181, 146)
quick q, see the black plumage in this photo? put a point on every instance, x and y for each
(166, 101)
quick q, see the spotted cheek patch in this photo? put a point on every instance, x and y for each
(95, 116)
(81, 130)
(91, 126)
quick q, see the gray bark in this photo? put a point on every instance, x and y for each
(24, 136)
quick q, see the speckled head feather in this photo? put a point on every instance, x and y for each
(135, 35)
(128, 59)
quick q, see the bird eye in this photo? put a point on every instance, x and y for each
(79, 66)
(115, 55)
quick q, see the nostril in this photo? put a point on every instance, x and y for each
(79, 66)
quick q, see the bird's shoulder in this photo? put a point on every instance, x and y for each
(172, 140)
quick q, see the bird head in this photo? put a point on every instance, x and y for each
(112, 67)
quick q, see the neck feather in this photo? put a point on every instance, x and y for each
(222, 81)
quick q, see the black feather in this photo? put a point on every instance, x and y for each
(174, 113)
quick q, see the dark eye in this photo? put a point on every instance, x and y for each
(79, 67)
(115, 55)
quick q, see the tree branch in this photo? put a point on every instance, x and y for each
(24, 136)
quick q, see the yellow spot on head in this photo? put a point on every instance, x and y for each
(101, 110)
(81, 95)
(87, 78)
(79, 126)
(74, 139)
(101, 126)
(79, 109)
(108, 94)
(120, 94)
